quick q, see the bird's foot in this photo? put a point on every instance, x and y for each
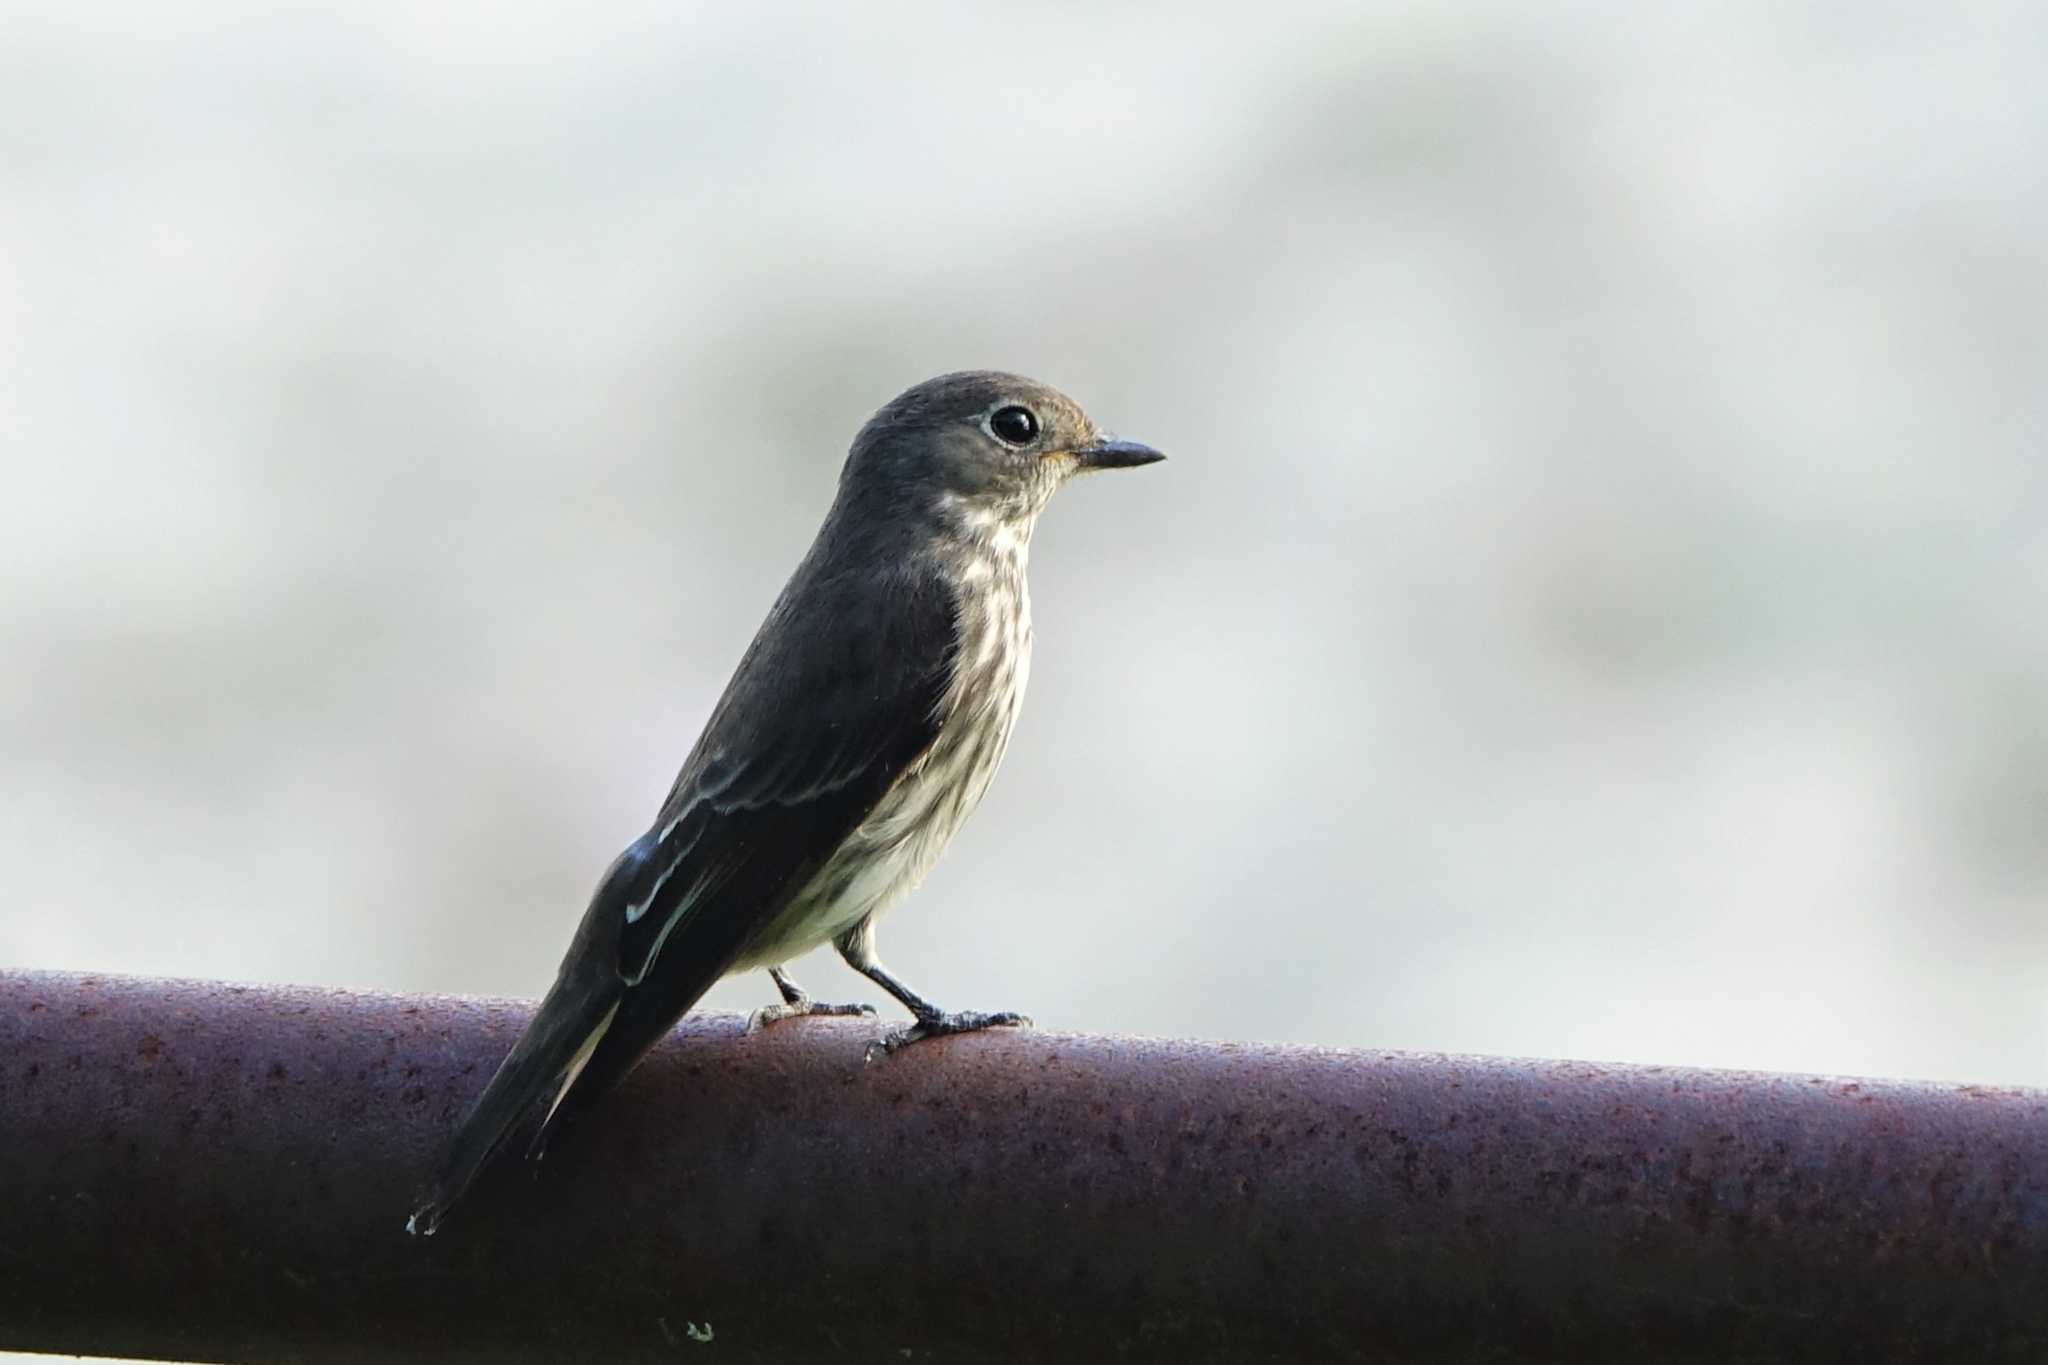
(797, 1009)
(938, 1024)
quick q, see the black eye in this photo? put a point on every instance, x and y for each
(1015, 425)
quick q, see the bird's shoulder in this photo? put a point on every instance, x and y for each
(842, 692)
(854, 654)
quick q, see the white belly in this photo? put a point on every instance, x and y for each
(897, 845)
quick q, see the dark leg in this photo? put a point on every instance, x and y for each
(795, 1004)
(857, 946)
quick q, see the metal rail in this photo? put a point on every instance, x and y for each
(198, 1171)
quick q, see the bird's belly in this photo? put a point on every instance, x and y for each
(864, 878)
(891, 851)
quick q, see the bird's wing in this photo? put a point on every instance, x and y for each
(841, 694)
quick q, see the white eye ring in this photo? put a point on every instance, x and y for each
(1013, 424)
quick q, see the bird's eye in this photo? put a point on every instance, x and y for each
(1014, 425)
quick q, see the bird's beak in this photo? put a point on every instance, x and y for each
(1113, 454)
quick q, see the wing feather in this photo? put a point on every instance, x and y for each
(831, 706)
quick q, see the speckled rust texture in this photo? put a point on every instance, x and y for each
(209, 1172)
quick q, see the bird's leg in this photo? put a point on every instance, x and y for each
(857, 946)
(795, 1004)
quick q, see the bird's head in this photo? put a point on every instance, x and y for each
(982, 445)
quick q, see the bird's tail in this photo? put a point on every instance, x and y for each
(540, 1069)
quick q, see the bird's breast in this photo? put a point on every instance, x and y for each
(901, 839)
(911, 826)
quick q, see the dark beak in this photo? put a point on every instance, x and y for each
(1110, 454)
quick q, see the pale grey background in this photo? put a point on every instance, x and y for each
(1595, 606)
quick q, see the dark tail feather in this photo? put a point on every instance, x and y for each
(644, 1017)
(538, 1072)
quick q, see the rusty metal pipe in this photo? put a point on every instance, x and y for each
(208, 1172)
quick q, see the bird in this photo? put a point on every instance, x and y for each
(862, 726)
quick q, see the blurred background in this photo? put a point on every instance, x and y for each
(1597, 605)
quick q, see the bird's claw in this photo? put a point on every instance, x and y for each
(939, 1025)
(797, 1009)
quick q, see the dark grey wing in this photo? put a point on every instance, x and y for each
(831, 706)
(840, 694)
